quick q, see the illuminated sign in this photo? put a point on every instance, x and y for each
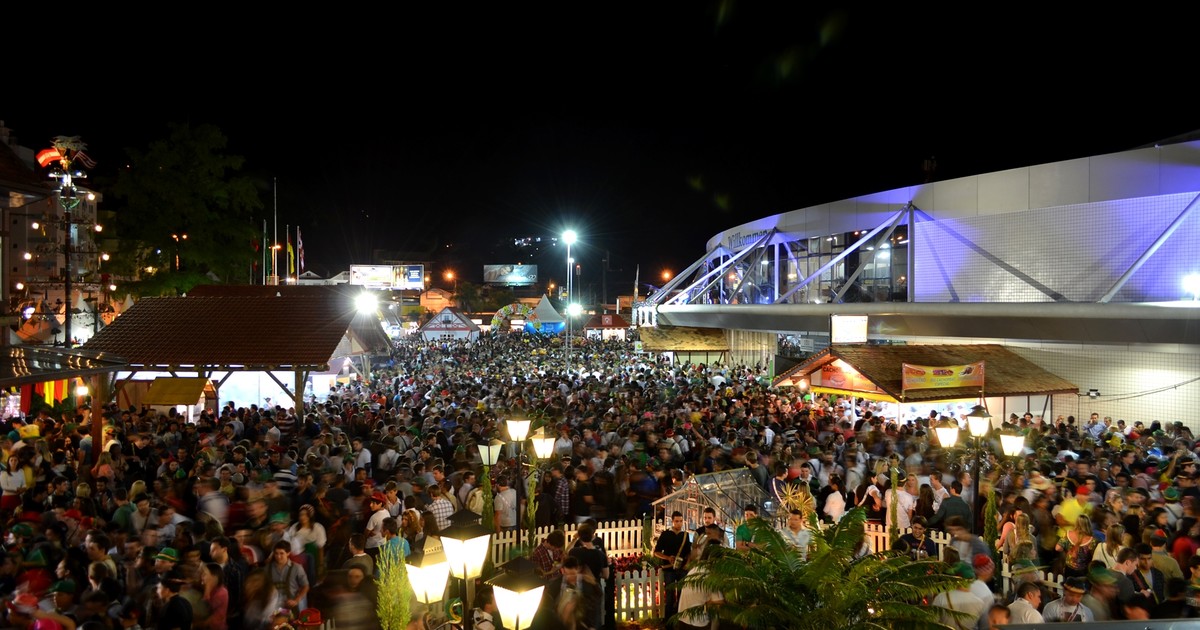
(848, 328)
(513, 275)
(410, 277)
(373, 276)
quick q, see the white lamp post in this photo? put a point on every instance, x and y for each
(518, 593)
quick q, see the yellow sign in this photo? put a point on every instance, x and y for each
(938, 377)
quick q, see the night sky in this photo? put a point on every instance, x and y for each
(647, 127)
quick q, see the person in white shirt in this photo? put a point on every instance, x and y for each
(960, 600)
(1024, 608)
(906, 499)
(1070, 606)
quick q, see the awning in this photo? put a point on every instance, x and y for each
(176, 390)
(683, 339)
(871, 371)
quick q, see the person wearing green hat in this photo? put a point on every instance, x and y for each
(165, 560)
(961, 599)
(62, 593)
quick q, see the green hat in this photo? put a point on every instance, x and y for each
(22, 529)
(63, 586)
(1102, 576)
(169, 554)
(35, 559)
(1172, 494)
(280, 517)
(963, 570)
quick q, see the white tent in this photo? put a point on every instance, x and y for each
(545, 320)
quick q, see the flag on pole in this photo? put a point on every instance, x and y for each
(46, 156)
(291, 255)
(299, 250)
(84, 159)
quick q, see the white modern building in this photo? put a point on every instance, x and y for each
(1086, 267)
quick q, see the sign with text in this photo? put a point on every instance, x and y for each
(841, 375)
(410, 277)
(938, 377)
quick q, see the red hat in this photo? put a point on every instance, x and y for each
(309, 617)
(379, 498)
(983, 562)
(75, 514)
(1082, 491)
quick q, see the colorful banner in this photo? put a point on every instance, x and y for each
(839, 375)
(938, 377)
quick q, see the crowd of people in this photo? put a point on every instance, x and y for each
(256, 517)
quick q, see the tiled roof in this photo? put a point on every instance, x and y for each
(240, 331)
(1007, 373)
(597, 321)
(682, 339)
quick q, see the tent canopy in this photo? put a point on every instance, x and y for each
(177, 390)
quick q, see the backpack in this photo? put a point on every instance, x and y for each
(475, 501)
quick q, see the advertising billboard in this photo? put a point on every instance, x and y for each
(373, 276)
(512, 275)
(410, 277)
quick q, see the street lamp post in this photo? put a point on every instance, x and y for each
(467, 545)
(979, 421)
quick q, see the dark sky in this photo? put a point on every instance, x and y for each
(648, 127)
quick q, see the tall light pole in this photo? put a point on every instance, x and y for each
(67, 154)
(569, 237)
(979, 422)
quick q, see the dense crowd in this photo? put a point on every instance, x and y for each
(256, 517)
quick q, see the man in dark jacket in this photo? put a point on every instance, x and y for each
(953, 505)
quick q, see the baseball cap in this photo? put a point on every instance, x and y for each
(168, 553)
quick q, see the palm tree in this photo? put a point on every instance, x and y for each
(769, 587)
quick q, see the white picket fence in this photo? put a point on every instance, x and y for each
(640, 594)
(620, 538)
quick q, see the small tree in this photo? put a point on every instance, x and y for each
(394, 589)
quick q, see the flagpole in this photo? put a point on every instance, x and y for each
(264, 253)
(275, 239)
(636, 275)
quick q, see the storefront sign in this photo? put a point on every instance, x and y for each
(938, 377)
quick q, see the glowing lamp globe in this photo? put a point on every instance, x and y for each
(428, 573)
(543, 445)
(466, 544)
(489, 452)
(979, 421)
(518, 593)
(518, 428)
(1012, 443)
(947, 432)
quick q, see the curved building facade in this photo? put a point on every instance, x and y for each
(1102, 251)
